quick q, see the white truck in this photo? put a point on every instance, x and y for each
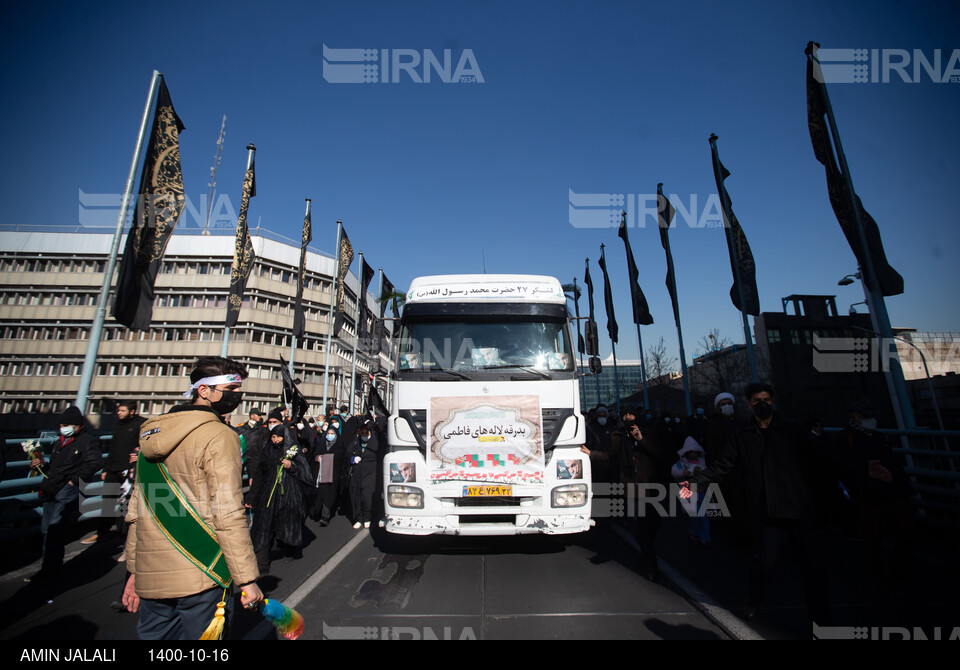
(485, 428)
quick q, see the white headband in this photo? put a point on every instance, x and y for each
(213, 381)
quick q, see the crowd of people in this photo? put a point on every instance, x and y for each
(781, 485)
(241, 492)
(219, 497)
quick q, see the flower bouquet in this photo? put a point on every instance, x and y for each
(291, 452)
(32, 449)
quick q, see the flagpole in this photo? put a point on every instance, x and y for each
(871, 287)
(356, 335)
(613, 345)
(676, 314)
(631, 265)
(226, 329)
(754, 377)
(100, 316)
(576, 305)
(643, 370)
(596, 377)
(334, 306)
(378, 330)
(293, 338)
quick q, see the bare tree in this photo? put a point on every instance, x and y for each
(659, 363)
(720, 365)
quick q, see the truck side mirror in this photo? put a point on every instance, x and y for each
(592, 339)
(594, 365)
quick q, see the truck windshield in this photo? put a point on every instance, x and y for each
(428, 345)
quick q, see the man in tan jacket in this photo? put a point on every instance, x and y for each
(201, 456)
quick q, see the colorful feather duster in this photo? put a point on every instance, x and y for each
(288, 622)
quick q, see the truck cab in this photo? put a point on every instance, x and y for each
(485, 428)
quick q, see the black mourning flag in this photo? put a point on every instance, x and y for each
(291, 394)
(243, 256)
(581, 345)
(375, 401)
(158, 208)
(366, 276)
(590, 330)
(589, 282)
(299, 319)
(387, 295)
(843, 199)
(344, 260)
(612, 329)
(641, 311)
(665, 214)
(741, 258)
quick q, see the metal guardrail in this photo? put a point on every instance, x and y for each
(931, 462)
(20, 505)
(931, 458)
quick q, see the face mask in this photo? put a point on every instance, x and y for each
(252, 423)
(602, 420)
(699, 411)
(229, 401)
(869, 423)
(331, 438)
(763, 410)
(676, 420)
(727, 410)
(67, 431)
(364, 439)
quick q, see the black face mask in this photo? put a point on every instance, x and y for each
(229, 401)
(763, 410)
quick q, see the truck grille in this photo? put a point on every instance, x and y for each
(495, 501)
(553, 420)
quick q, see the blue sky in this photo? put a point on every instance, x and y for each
(599, 97)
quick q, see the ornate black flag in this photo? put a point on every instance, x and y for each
(641, 311)
(589, 282)
(291, 394)
(741, 258)
(243, 256)
(665, 214)
(842, 199)
(345, 258)
(158, 208)
(612, 329)
(299, 320)
(363, 312)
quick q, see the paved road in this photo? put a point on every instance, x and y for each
(372, 585)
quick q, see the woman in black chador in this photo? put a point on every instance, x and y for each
(327, 470)
(279, 508)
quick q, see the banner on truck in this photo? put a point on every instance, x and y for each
(496, 439)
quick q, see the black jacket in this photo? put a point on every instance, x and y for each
(643, 462)
(73, 459)
(775, 465)
(126, 438)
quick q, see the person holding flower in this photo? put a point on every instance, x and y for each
(280, 507)
(76, 456)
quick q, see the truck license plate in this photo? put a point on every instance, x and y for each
(487, 491)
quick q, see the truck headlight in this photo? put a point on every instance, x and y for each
(571, 495)
(405, 496)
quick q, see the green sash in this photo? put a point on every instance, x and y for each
(179, 522)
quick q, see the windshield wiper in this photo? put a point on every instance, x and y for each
(454, 373)
(524, 368)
